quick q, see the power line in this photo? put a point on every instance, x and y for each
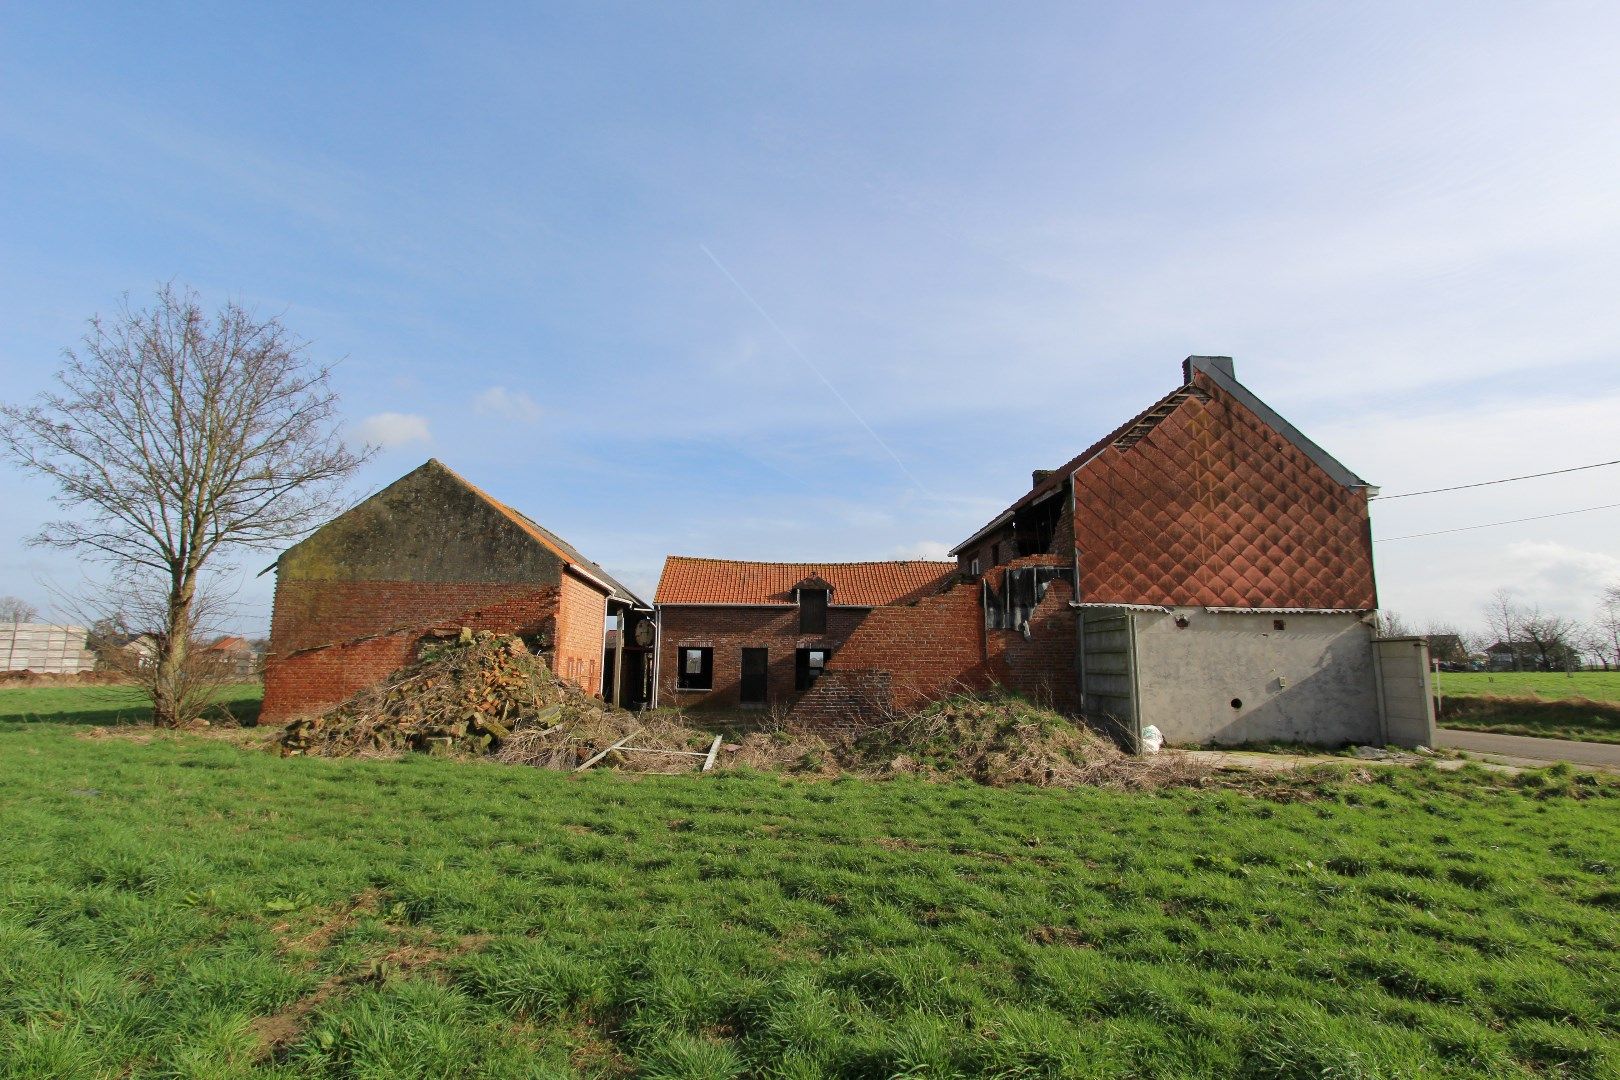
(1505, 480)
(1494, 524)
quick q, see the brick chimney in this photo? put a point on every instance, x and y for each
(1038, 475)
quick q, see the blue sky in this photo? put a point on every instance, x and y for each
(594, 256)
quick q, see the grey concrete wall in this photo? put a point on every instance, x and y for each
(1313, 681)
(1403, 675)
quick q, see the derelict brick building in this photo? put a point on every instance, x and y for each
(1205, 569)
(430, 552)
(756, 633)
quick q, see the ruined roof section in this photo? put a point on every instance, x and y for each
(688, 580)
(556, 544)
(1200, 374)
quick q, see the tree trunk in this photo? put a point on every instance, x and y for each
(169, 678)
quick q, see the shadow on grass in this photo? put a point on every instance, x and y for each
(112, 706)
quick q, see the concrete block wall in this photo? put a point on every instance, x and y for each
(1227, 677)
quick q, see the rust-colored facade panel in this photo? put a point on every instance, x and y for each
(1214, 507)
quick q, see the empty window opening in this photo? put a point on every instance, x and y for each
(696, 668)
(808, 664)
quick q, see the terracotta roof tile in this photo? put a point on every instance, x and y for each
(688, 580)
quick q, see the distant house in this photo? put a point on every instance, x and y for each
(232, 656)
(1447, 649)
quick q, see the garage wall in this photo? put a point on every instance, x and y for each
(1313, 680)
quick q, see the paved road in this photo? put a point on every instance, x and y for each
(1516, 748)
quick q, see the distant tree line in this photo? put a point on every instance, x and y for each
(1520, 636)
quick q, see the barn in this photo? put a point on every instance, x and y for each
(430, 553)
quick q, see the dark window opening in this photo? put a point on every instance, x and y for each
(696, 668)
(756, 666)
(1021, 592)
(812, 611)
(808, 664)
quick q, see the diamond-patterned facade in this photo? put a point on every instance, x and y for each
(1213, 507)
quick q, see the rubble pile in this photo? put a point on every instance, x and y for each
(468, 693)
(485, 693)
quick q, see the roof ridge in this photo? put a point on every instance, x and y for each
(811, 562)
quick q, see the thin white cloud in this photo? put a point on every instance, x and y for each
(925, 549)
(391, 429)
(507, 404)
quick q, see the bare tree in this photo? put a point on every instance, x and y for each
(1504, 616)
(1606, 628)
(1553, 640)
(181, 437)
(126, 615)
(1390, 624)
(16, 609)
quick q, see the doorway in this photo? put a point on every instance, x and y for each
(755, 665)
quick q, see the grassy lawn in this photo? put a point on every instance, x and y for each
(1550, 705)
(1551, 685)
(109, 704)
(175, 905)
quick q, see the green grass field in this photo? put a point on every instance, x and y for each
(1551, 705)
(1551, 685)
(110, 704)
(176, 905)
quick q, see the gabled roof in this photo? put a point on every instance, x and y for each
(556, 544)
(530, 528)
(1216, 370)
(730, 582)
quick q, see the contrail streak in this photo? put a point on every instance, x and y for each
(842, 400)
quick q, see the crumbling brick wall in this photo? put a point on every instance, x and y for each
(1042, 667)
(311, 613)
(925, 650)
(903, 657)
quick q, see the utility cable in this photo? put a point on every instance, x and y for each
(1494, 524)
(1505, 480)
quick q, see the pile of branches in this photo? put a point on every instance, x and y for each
(999, 739)
(470, 693)
(488, 694)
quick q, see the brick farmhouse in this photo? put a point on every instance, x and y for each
(1204, 569)
(757, 633)
(431, 552)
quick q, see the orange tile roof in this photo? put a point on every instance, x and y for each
(689, 580)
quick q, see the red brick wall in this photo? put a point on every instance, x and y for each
(929, 649)
(1042, 668)
(581, 626)
(315, 679)
(1214, 507)
(310, 613)
(729, 630)
(905, 656)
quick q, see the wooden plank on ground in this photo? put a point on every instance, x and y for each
(708, 763)
(608, 751)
